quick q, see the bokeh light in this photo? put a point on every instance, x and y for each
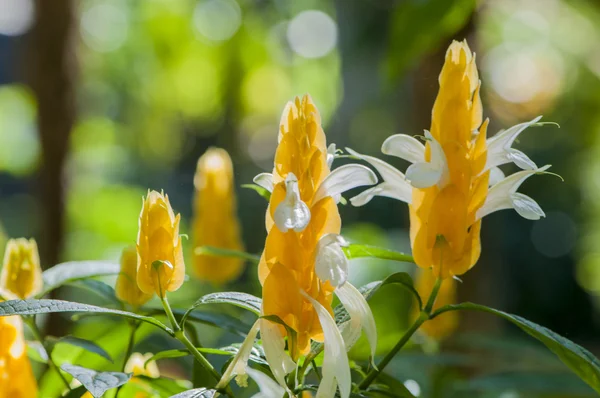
(16, 16)
(217, 20)
(312, 34)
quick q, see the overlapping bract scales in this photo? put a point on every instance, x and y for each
(215, 219)
(444, 231)
(287, 263)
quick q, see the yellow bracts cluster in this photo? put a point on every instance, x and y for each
(215, 219)
(444, 230)
(21, 278)
(127, 289)
(21, 272)
(445, 324)
(16, 376)
(287, 265)
(160, 267)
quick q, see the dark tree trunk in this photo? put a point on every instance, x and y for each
(53, 78)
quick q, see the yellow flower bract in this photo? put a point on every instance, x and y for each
(215, 219)
(443, 230)
(127, 289)
(21, 273)
(160, 255)
(287, 264)
(16, 376)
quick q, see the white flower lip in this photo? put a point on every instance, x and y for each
(331, 263)
(336, 369)
(394, 186)
(504, 195)
(239, 365)
(274, 345)
(268, 388)
(292, 212)
(499, 149)
(343, 179)
(264, 180)
(427, 174)
(404, 147)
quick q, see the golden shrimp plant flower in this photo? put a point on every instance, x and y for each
(215, 220)
(454, 179)
(126, 288)
(160, 266)
(16, 377)
(303, 264)
(21, 272)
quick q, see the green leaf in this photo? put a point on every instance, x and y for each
(256, 355)
(163, 386)
(260, 190)
(76, 392)
(98, 287)
(97, 383)
(32, 307)
(86, 345)
(216, 319)
(578, 359)
(37, 352)
(219, 252)
(356, 251)
(243, 300)
(72, 271)
(197, 393)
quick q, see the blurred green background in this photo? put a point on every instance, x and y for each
(102, 99)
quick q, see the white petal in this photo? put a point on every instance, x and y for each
(499, 145)
(496, 175)
(331, 149)
(423, 175)
(438, 158)
(268, 388)
(336, 369)
(274, 345)
(331, 263)
(292, 212)
(499, 195)
(237, 367)
(351, 331)
(384, 189)
(527, 207)
(264, 180)
(359, 309)
(344, 178)
(393, 178)
(405, 147)
(520, 159)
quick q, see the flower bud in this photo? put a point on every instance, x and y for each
(127, 289)
(160, 257)
(21, 273)
(136, 364)
(215, 219)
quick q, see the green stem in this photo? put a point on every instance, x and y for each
(180, 335)
(422, 318)
(134, 325)
(316, 369)
(38, 336)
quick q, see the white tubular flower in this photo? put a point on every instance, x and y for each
(264, 180)
(427, 174)
(292, 212)
(499, 149)
(336, 369)
(344, 178)
(331, 265)
(504, 195)
(274, 345)
(331, 149)
(239, 365)
(394, 183)
(268, 388)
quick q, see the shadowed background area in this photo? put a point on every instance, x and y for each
(102, 99)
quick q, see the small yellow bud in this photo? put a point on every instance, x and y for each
(135, 365)
(16, 376)
(160, 257)
(127, 288)
(21, 273)
(215, 220)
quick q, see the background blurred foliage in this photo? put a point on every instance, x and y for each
(160, 81)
